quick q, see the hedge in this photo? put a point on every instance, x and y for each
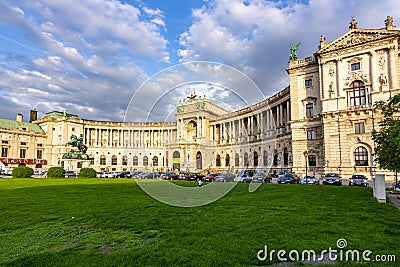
(22, 172)
(87, 173)
(56, 172)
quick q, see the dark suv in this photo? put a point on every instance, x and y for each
(331, 179)
(359, 180)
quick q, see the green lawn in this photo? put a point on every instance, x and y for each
(112, 222)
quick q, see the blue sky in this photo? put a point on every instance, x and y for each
(90, 57)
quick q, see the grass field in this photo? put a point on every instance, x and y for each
(112, 222)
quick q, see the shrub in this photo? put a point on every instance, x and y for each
(56, 172)
(87, 173)
(22, 172)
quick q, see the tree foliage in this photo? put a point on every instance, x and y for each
(22, 172)
(56, 172)
(387, 139)
(87, 173)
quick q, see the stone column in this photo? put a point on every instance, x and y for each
(392, 68)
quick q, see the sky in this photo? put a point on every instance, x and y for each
(92, 57)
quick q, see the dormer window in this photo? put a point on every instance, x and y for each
(355, 66)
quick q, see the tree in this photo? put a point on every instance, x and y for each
(87, 173)
(387, 139)
(22, 172)
(56, 172)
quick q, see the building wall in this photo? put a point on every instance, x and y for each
(354, 71)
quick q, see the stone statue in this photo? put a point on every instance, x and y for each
(78, 143)
(293, 51)
(353, 24)
(389, 21)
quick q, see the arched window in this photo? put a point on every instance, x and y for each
(285, 157)
(236, 160)
(276, 157)
(218, 161)
(114, 160)
(246, 160)
(135, 161)
(145, 161)
(255, 155)
(155, 161)
(361, 156)
(227, 160)
(91, 158)
(357, 96)
(102, 160)
(124, 160)
(265, 158)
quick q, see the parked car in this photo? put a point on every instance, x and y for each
(210, 177)
(71, 174)
(261, 177)
(124, 175)
(358, 180)
(280, 174)
(106, 175)
(309, 179)
(224, 177)
(169, 176)
(151, 175)
(195, 177)
(287, 178)
(331, 179)
(244, 176)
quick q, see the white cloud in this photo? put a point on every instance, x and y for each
(255, 37)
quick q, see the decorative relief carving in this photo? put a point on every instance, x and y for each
(356, 38)
(356, 76)
(382, 80)
(331, 71)
(381, 62)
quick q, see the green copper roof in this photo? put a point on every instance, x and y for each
(59, 115)
(10, 124)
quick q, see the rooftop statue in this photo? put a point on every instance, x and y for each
(78, 143)
(353, 24)
(293, 51)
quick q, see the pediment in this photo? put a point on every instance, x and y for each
(357, 37)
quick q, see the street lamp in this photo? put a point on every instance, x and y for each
(305, 153)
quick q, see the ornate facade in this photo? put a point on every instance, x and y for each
(332, 96)
(324, 120)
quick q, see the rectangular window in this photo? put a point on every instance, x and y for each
(4, 142)
(22, 153)
(23, 143)
(359, 128)
(4, 152)
(308, 82)
(310, 134)
(312, 160)
(309, 110)
(355, 66)
(39, 154)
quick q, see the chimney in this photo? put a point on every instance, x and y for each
(19, 118)
(33, 115)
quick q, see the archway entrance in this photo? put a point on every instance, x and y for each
(199, 161)
(176, 160)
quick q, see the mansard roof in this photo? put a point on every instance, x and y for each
(20, 125)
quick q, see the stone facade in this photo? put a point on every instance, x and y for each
(205, 137)
(324, 120)
(333, 93)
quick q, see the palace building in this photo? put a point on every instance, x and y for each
(323, 120)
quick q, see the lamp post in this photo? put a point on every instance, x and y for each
(305, 153)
